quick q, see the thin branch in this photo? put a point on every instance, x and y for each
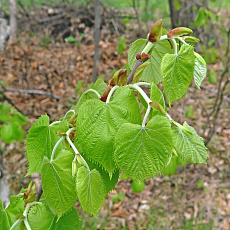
(212, 130)
(10, 102)
(130, 77)
(30, 91)
(39, 192)
(215, 92)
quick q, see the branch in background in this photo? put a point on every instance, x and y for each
(214, 92)
(213, 128)
(11, 103)
(30, 91)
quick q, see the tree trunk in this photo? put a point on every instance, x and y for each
(4, 33)
(173, 15)
(4, 187)
(13, 21)
(97, 32)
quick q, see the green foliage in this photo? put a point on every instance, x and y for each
(11, 123)
(210, 54)
(118, 197)
(40, 142)
(212, 76)
(177, 70)
(121, 46)
(95, 137)
(90, 189)
(81, 156)
(157, 96)
(70, 39)
(136, 47)
(138, 186)
(189, 146)
(153, 72)
(59, 173)
(140, 151)
(109, 183)
(45, 41)
(189, 112)
(200, 70)
(173, 165)
(3, 217)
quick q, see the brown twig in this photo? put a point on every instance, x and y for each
(212, 130)
(10, 102)
(130, 77)
(215, 92)
(39, 192)
(30, 91)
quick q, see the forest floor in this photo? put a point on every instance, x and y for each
(195, 198)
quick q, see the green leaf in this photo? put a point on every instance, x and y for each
(41, 217)
(90, 189)
(99, 86)
(98, 122)
(3, 217)
(201, 17)
(19, 119)
(189, 145)
(70, 39)
(173, 165)
(139, 71)
(15, 207)
(142, 152)
(121, 47)
(5, 110)
(89, 94)
(152, 73)
(135, 48)
(40, 142)
(212, 76)
(62, 126)
(109, 183)
(177, 4)
(8, 132)
(177, 70)
(200, 70)
(157, 96)
(57, 182)
(69, 221)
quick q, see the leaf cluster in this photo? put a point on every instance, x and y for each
(11, 124)
(81, 156)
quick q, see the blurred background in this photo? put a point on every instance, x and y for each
(51, 52)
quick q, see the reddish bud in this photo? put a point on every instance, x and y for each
(105, 94)
(144, 56)
(156, 31)
(61, 133)
(138, 57)
(179, 31)
(157, 106)
(119, 78)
